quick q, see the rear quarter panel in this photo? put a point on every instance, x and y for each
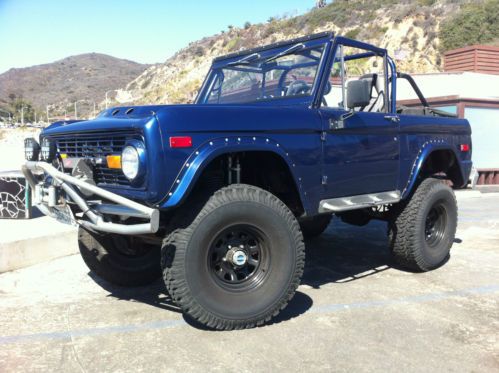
(420, 135)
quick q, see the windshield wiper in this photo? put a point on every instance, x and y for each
(246, 59)
(294, 48)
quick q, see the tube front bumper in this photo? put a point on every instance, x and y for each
(48, 200)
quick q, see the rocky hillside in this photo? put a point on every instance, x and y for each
(408, 29)
(85, 76)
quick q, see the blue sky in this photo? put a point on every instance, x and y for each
(41, 31)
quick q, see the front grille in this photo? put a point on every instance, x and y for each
(97, 145)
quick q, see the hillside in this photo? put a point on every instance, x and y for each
(85, 76)
(405, 28)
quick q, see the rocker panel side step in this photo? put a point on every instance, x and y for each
(359, 201)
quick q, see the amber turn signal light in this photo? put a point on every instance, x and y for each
(113, 161)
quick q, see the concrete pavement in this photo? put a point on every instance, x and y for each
(355, 311)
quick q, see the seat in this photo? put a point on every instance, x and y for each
(377, 95)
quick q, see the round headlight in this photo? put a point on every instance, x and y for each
(48, 149)
(31, 149)
(130, 162)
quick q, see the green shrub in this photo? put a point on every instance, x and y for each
(426, 2)
(352, 34)
(199, 51)
(473, 24)
(233, 44)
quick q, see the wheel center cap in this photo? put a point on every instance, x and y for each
(237, 257)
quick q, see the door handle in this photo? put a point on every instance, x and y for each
(393, 118)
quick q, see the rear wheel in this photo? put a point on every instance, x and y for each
(422, 232)
(120, 260)
(238, 262)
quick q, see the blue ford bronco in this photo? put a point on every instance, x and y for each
(217, 196)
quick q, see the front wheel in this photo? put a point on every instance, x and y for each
(238, 262)
(422, 232)
(120, 260)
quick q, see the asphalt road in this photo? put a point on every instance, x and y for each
(354, 311)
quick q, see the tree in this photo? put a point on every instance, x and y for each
(320, 3)
(23, 110)
(474, 24)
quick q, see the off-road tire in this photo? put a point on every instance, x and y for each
(192, 282)
(315, 226)
(100, 254)
(409, 234)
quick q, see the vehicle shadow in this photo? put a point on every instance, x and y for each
(343, 253)
(154, 294)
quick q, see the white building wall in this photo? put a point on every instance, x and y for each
(485, 136)
(464, 85)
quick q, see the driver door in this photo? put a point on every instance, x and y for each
(361, 148)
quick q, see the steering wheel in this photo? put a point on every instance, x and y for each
(297, 87)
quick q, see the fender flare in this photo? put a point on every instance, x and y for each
(205, 153)
(424, 153)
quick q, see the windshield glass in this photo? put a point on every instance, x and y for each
(290, 73)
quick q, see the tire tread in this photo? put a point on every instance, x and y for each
(174, 251)
(402, 231)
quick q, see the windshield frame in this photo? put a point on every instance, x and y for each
(266, 53)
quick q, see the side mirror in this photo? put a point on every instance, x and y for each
(358, 93)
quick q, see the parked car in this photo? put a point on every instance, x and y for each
(216, 197)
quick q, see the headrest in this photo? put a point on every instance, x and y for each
(373, 80)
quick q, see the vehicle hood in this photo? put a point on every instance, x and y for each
(195, 118)
(119, 118)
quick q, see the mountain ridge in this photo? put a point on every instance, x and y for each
(85, 77)
(404, 27)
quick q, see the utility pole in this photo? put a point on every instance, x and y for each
(22, 116)
(76, 113)
(48, 121)
(112, 90)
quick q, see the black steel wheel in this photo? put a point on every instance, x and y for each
(435, 225)
(238, 257)
(423, 229)
(237, 262)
